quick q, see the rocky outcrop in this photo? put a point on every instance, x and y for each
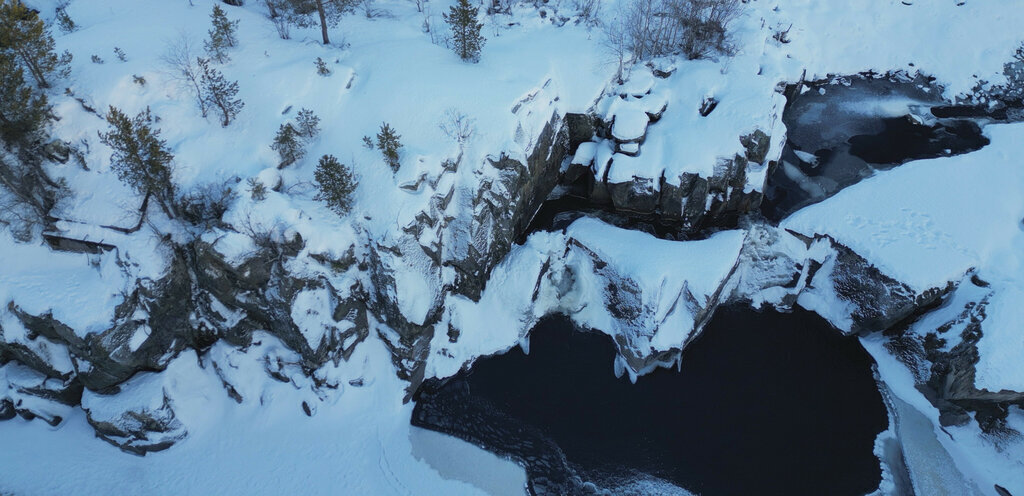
(825, 276)
(943, 349)
(690, 201)
(500, 209)
(201, 299)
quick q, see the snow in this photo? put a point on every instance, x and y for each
(928, 222)
(557, 273)
(312, 313)
(84, 287)
(630, 124)
(1001, 347)
(585, 154)
(358, 441)
(974, 455)
(939, 219)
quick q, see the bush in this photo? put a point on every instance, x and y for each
(205, 205)
(321, 67)
(120, 54)
(1013, 90)
(257, 190)
(389, 145)
(695, 28)
(457, 126)
(64, 21)
(336, 183)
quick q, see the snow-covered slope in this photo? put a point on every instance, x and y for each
(303, 318)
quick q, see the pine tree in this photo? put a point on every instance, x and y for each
(218, 92)
(23, 34)
(389, 144)
(141, 159)
(466, 38)
(286, 144)
(336, 183)
(308, 124)
(328, 13)
(21, 112)
(222, 36)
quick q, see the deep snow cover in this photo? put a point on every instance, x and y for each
(343, 424)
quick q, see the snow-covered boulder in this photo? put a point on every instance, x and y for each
(652, 296)
(140, 416)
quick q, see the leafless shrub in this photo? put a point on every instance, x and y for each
(588, 11)
(205, 205)
(652, 28)
(457, 126)
(180, 59)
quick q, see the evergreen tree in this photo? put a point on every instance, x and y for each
(21, 112)
(23, 34)
(141, 159)
(336, 183)
(389, 144)
(466, 38)
(286, 144)
(308, 124)
(218, 92)
(328, 13)
(222, 36)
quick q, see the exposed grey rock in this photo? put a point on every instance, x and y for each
(57, 151)
(581, 128)
(502, 209)
(638, 195)
(139, 429)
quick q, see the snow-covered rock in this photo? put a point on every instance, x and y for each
(651, 305)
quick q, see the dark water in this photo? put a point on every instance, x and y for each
(764, 403)
(846, 136)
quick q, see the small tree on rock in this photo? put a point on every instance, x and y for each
(287, 145)
(389, 144)
(141, 159)
(336, 183)
(466, 38)
(222, 36)
(218, 92)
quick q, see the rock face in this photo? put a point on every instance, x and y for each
(651, 306)
(201, 299)
(943, 349)
(935, 332)
(691, 201)
(320, 312)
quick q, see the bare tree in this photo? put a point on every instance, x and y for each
(457, 126)
(180, 58)
(652, 28)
